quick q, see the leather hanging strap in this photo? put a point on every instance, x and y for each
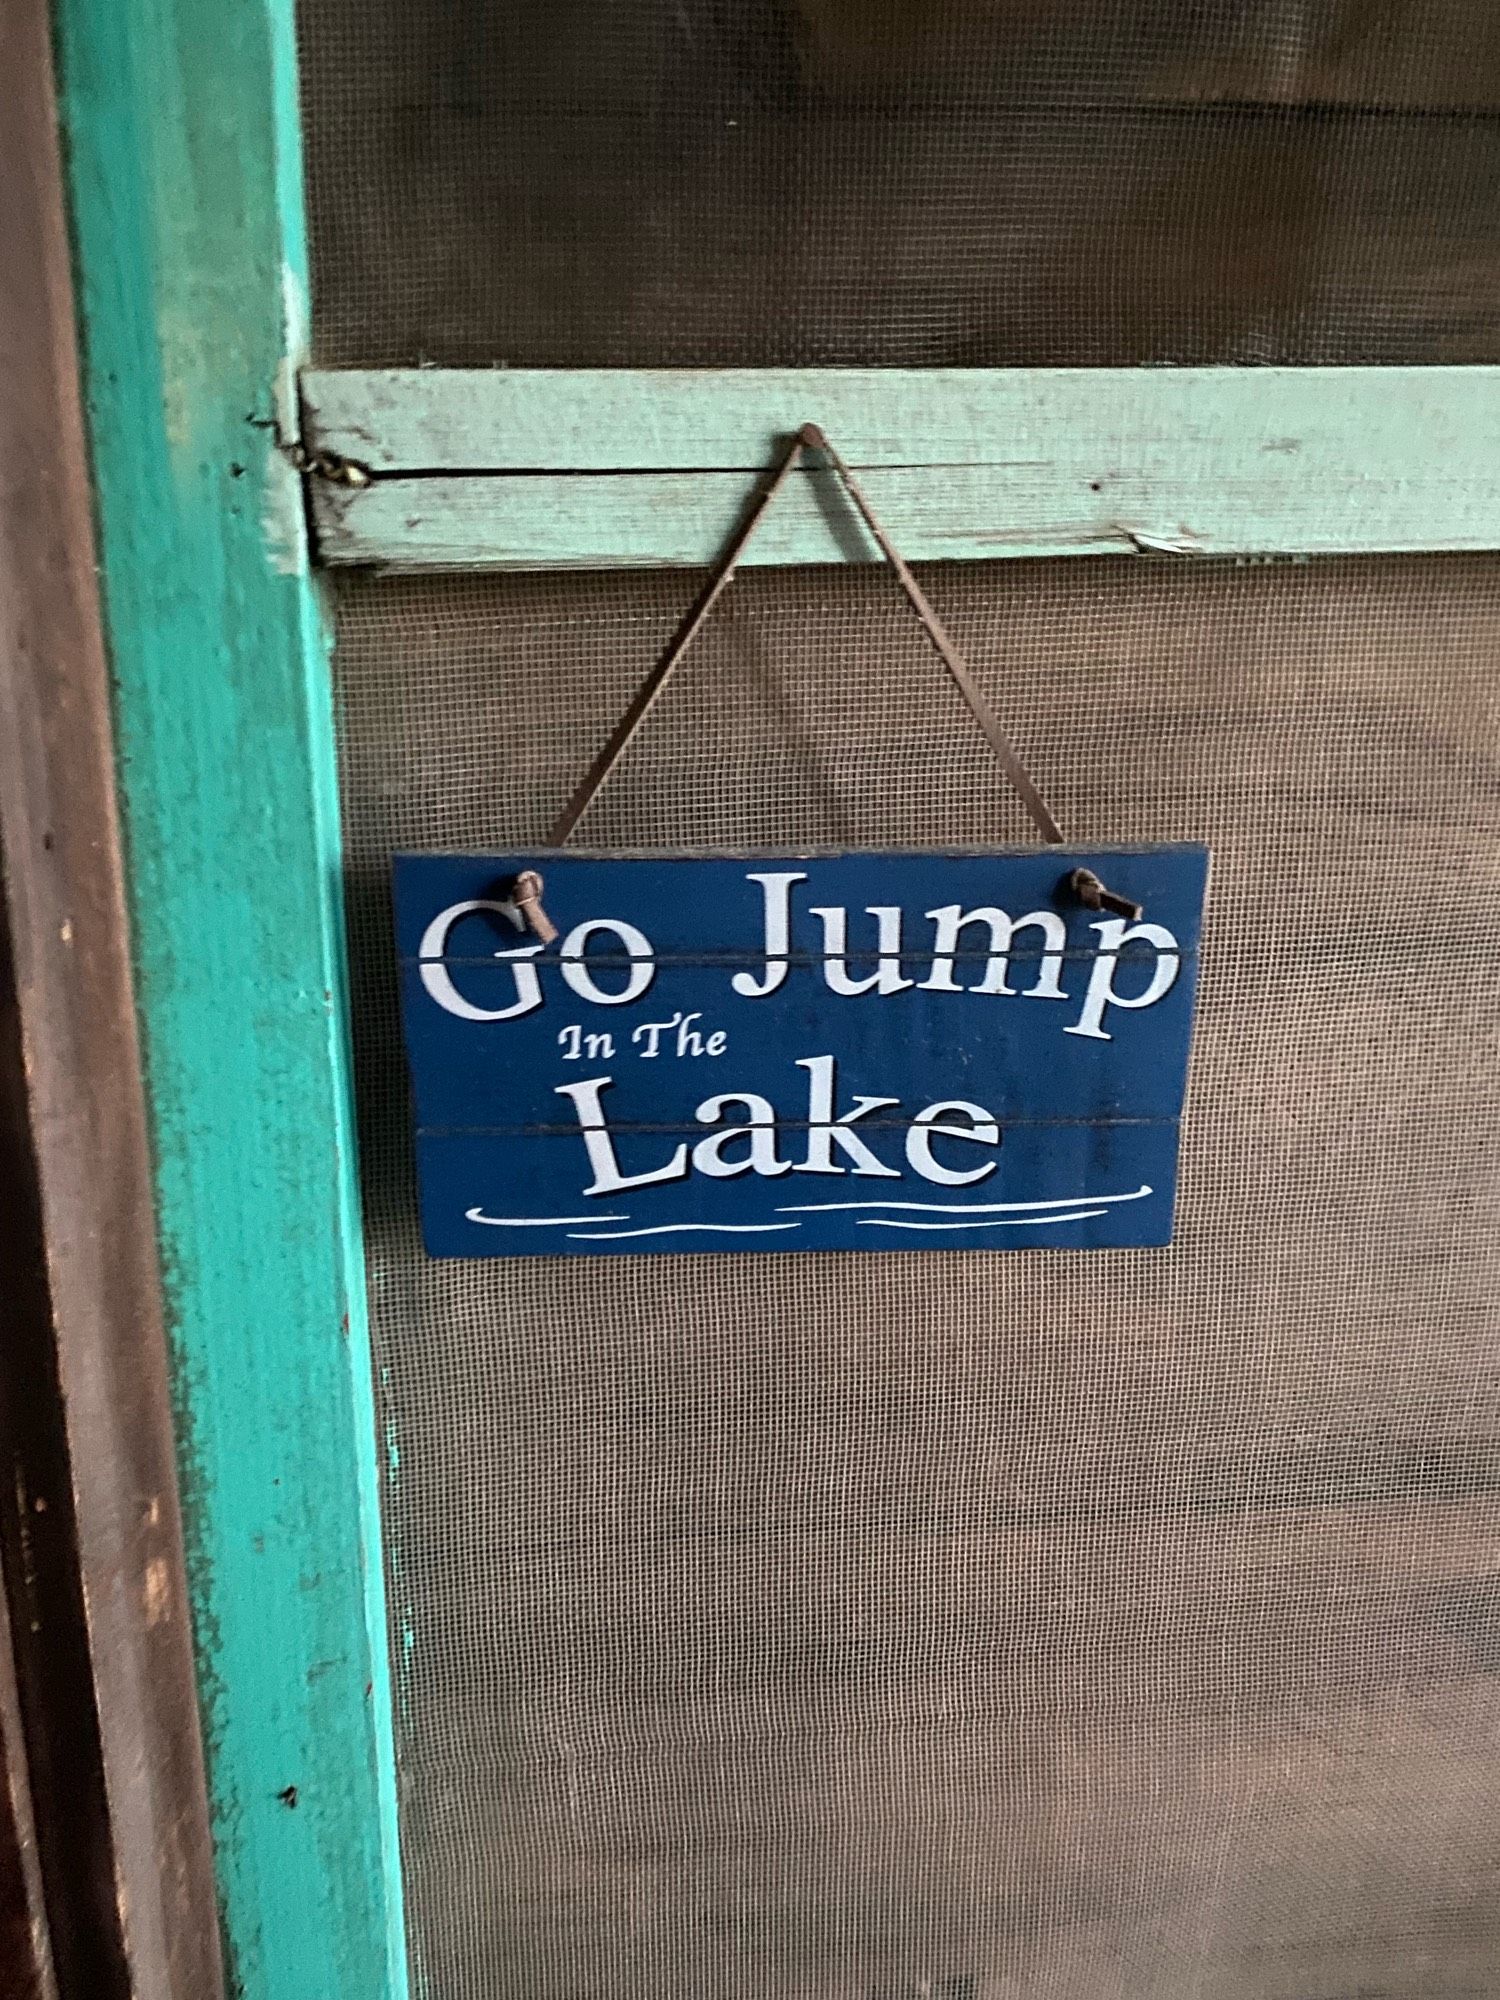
(808, 438)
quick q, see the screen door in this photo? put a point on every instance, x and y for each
(975, 1626)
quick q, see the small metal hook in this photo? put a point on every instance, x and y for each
(1091, 892)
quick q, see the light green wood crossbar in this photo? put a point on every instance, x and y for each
(550, 468)
(184, 169)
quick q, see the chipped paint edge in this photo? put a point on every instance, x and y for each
(607, 468)
(182, 136)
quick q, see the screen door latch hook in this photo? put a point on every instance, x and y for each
(1091, 892)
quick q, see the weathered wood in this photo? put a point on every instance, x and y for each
(1093, 422)
(91, 1523)
(57, 1707)
(26, 1967)
(503, 469)
(184, 173)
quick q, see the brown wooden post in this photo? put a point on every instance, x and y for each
(89, 1524)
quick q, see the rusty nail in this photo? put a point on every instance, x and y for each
(526, 894)
(1091, 892)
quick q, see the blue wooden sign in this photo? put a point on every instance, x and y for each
(829, 1052)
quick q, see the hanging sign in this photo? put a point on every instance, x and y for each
(857, 1051)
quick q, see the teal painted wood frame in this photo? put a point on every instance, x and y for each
(600, 468)
(181, 132)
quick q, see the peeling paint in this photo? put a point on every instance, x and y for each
(181, 119)
(1183, 543)
(157, 1595)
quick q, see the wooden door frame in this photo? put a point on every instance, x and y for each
(182, 175)
(103, 1762)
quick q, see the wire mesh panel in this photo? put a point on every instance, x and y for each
(976, 1625)
(980, 182)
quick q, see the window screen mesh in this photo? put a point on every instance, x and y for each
(976, 1626)
(926, 182)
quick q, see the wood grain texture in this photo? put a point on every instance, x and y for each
(521, 469)
(91, 1524)
(1383, 423)
(184, 178)
(26, 1965)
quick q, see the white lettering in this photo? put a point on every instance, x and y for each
(825, 1131)
(708, 1154)
(952, 919)
(439, 981)
(574, 1043)
(925, 1127)
(653, 1030)
(575, 970)
(1114, 933)
(777, 891)
(600, 1147)
(888, 978)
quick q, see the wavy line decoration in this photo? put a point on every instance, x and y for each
(678, 1228)
(968, 1207)
(994, 1222)
(976, 1215)
(534, 1221)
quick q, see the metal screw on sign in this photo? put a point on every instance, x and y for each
(526, 894)
(1091, 892)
